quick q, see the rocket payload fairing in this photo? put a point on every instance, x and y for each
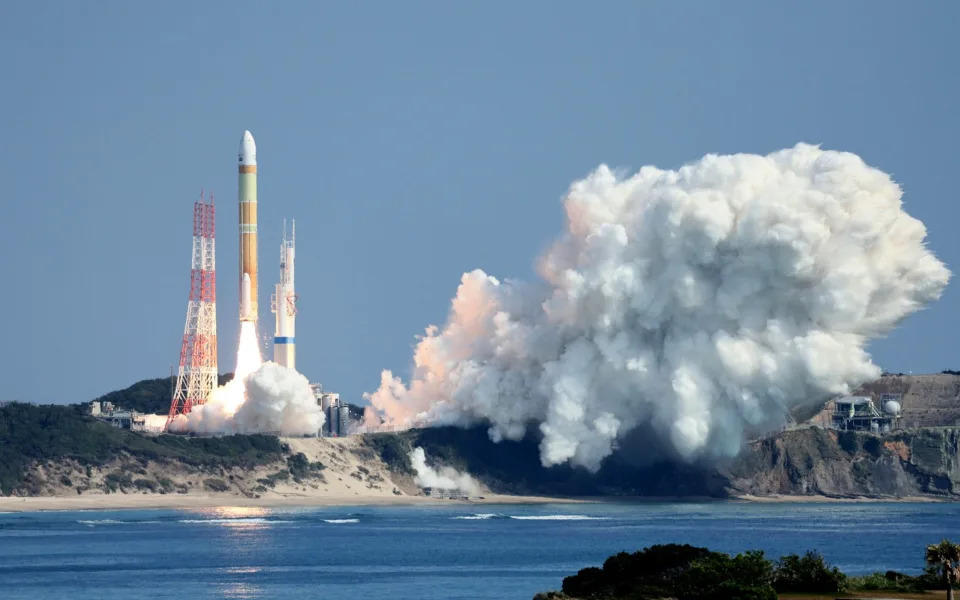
(248, 228)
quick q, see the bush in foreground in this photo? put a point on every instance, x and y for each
(808, 573)
(676, 571)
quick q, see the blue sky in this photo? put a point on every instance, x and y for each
(412, 142)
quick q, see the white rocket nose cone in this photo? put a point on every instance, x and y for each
(248, 150)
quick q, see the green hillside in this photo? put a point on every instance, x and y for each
(31, 433)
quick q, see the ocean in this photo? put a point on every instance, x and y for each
(424, 552)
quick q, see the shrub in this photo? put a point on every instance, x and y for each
(394, 451)
(271, 480)
(807, 574)
(145, 484)
(873, 446)
(891, 581)
(848, 441)
(217, 485)
(117, 480)
(685, 572)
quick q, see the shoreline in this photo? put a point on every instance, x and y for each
(93, 502)
(17, 504)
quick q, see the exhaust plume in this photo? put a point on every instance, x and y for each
(261, 398)
(444, 478)
(703, 303)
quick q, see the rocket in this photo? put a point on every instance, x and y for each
(246, 300)
(283, 303)
(248, 228)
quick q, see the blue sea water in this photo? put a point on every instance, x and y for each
(449, 552)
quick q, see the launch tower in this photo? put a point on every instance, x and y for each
(197, 376)
(283, 303)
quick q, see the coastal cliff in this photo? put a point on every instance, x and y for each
(58, 451)
(814, 461)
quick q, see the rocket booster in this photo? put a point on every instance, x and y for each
(246, 299)
(248, 227)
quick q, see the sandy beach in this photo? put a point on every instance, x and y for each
(191, 501)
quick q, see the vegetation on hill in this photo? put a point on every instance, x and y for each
(30, 433)
(151, 396)
(687, 572)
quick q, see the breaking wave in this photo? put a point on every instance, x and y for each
(341, 521)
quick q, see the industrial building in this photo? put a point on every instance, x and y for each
(858, 413)
(337, 414)
(118, 417)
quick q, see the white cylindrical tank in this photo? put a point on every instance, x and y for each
(892, 407)
(328, 400)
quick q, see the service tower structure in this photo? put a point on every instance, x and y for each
(248, 226)
(283, 303)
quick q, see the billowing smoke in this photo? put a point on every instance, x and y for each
(702, 304)
(277, 399)
(262, 398)
(444, 478)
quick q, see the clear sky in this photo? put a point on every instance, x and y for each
(412, 141)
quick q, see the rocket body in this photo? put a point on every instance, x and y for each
(284, 306)
(248, 225)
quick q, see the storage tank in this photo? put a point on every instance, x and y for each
(329, 400)
(892, 407)
(344, 424)
(333, 421)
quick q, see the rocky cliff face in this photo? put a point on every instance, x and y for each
(928, 400)
(809, 461)
(815, 461)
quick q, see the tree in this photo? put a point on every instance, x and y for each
(945, 558)
(809, 573)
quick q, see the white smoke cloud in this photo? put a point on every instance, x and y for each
(702, 303)
(444, 478)
(272, 399)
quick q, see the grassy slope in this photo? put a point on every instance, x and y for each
(31, 433)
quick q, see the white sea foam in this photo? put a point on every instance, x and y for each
(341, 521)
(557, 518)
(479, 517)
(95, 522)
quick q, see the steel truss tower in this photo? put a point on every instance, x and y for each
(197, 376)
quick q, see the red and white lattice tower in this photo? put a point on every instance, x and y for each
(198, 353)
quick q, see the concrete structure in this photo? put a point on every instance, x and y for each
(858, 413)
(248, 222)
(283, 303)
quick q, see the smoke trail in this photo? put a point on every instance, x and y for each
(444, 478)
(262, 398)
(702, 304)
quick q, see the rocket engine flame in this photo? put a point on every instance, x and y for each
(700, 304)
